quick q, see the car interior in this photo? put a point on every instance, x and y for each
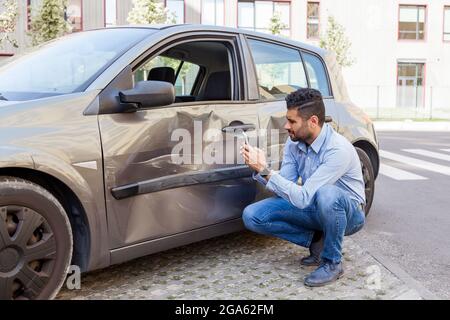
(209, 72)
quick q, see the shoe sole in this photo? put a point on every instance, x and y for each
(314, 285)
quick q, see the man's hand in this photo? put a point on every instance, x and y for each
(254, 157)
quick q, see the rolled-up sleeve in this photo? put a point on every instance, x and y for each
(259, 178)
(335, 164)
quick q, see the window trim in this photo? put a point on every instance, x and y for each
(184, 9)
(254, 13)
(318, 23)
(300, 51)
(81, 17)
(224, 10)
(425, 29)
(104, 13)
(446, 7)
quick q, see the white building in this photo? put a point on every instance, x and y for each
(401, 48)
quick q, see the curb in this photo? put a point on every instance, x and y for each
(416, 287)
(409, 125)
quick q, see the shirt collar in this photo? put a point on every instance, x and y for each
(317, 144)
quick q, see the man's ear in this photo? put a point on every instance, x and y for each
(314, 121)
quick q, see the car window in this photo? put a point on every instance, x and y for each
(279, 69)
(316, 73)
(183, 81)
(66, 65)
(186, 79)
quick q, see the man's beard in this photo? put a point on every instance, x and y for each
(300, 137)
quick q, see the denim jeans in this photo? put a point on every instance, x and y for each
(331, 211)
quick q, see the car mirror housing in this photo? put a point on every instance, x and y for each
(148, 94)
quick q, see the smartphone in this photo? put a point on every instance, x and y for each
(245, 137)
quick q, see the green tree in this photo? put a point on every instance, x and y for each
(149, 12)
(49, 22)
(8, 19)
(276, 25)
(335, 40)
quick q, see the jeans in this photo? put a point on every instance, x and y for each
(331, 211)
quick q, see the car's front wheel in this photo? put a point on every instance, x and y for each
(368, 176)
(35, 241)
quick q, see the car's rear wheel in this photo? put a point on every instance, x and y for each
(35, 241)
(368, 176)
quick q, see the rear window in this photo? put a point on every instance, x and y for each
(316, 72)
(279, 69)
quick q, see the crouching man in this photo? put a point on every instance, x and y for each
(319, 188)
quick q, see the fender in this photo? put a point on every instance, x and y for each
(19, 157)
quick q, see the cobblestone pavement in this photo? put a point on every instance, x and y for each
(238, 266)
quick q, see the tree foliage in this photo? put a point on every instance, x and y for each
(149, 12)
(276, 25)
(49, 22)
(8, 20)
(335, 40)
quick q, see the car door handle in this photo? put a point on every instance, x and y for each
(238, 127)
(328, 119)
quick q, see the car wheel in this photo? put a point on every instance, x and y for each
(35, 241)
(368, 176)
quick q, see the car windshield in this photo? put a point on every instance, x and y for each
(66, 65)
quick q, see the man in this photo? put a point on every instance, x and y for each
(319, 188)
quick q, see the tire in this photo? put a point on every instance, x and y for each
(368, 176)
(35, 241)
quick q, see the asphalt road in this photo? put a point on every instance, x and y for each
(409, 222)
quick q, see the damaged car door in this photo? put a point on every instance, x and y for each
(167, 168)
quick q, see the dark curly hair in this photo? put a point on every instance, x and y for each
(308, 103)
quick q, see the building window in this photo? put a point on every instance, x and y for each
(411, 24)
(110, 12)
(176, 7)
(256, 15)
(447, 23)
(73, 14)
(213, 12)
(410, 84)
(312, 28)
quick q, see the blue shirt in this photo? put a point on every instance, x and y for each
(330, 159)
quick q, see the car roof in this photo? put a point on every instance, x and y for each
(202, 27)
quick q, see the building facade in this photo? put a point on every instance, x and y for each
(401, 48)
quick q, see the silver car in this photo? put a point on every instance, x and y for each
(88, 128)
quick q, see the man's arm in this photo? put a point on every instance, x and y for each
(335, 165)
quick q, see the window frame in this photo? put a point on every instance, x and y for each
(215, 12)
(416, 6)
(318, 21)
(104, 13)
(232, 39)
(184, 8)
(300, 51)
(253, 28)
(446, 7)
(81, 16)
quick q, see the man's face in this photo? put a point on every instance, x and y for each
(298, 129)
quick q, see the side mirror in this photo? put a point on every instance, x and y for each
(147, 94)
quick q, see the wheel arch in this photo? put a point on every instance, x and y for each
(69, 200)
(371, 151)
